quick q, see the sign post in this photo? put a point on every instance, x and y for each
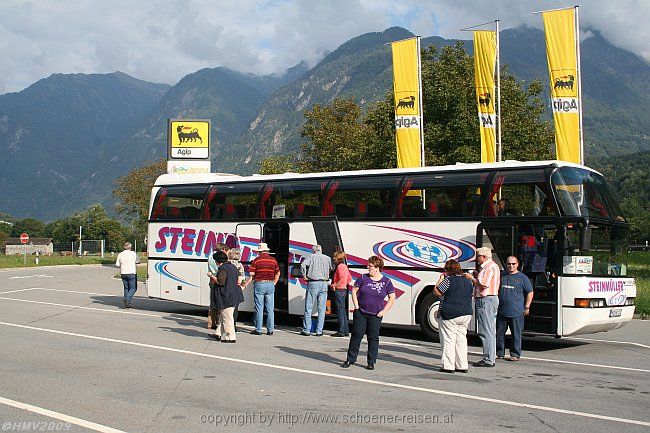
(24, 238)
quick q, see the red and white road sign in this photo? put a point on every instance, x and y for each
(24, 238)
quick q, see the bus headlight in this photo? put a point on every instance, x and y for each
(629, 301)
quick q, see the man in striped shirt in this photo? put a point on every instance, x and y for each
(486, 294)
(265, 272)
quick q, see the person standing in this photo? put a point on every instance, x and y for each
(340, 283)
(456, 313)
(127, 261)
(227, 295)
(316, 269)
(369, 300)
(515, 296)
(264, 272)
(234, 255)
(486, 291)
(213, 268)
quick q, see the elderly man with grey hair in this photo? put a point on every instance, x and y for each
(316, 269)
(127, 261)
(486, 293)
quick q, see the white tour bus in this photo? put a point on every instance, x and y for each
(560, 219)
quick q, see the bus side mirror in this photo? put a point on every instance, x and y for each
(296, 272)
(585, 238)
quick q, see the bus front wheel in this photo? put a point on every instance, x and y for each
(427, 316)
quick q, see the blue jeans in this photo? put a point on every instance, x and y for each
(516, 325)
(486, 313)
(316, 291)
(264, 295)
(130, 286)
(340, 296)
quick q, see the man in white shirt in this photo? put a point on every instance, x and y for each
(126, 261)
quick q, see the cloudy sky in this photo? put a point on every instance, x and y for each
(163, 40)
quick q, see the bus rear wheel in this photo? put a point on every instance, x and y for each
(427, 316)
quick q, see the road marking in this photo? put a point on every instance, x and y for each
(30, 276)
(56, 415)
(338, 376)
(610, 341)
(16, 291)
(104, 310)
(388, 343)
(74, 291)
(559, 361)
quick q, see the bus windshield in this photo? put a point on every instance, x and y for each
(606, 256)
(584, 193)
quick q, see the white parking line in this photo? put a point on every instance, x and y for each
(386, 343)
(338, 376)
(30, 276)
(559, 361)
(16, 291)
(610, 341)
(103, 310)
(56, 415)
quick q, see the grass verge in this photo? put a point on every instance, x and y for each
(639, 268)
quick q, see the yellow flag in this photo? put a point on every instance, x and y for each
(561, 52)
(485, 49)
(408, 118)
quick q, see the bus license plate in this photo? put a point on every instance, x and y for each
(615, 312)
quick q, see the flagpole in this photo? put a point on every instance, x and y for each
(582, 146)
(499, 158)
(422, 162)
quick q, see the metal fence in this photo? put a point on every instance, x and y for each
(80, 248)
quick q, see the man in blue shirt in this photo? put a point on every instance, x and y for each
(316, 269)
(515, 296)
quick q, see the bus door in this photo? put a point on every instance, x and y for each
(249, 235)
(536, 251)
(328, 236)
(276, 236)
(533, 245)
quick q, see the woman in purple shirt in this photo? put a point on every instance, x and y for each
(369, 299)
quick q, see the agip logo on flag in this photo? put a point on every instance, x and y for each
(407, 111)
(564, 91)
(189, 139)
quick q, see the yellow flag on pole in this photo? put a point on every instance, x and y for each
(485, 48)
(561, 51)
(408, 102)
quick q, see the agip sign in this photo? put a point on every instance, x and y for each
(189, 139)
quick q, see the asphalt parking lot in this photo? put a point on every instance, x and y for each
(74, 360)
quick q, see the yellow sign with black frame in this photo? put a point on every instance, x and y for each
(188, 139)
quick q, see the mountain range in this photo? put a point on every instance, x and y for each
(65, 138)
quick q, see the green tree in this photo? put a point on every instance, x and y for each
(34, 228)
(64, 230)
(133, 191)
(342, 137)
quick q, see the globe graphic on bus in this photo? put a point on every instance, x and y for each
(427, 252)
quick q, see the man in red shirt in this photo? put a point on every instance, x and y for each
(264, 272)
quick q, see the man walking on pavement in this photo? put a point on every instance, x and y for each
(316, 268)
(486, 291)
(127, 261)
(515, 296)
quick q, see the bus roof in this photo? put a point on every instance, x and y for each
(209, 178)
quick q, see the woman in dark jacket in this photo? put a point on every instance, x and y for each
(227, 295)
(455, 290)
